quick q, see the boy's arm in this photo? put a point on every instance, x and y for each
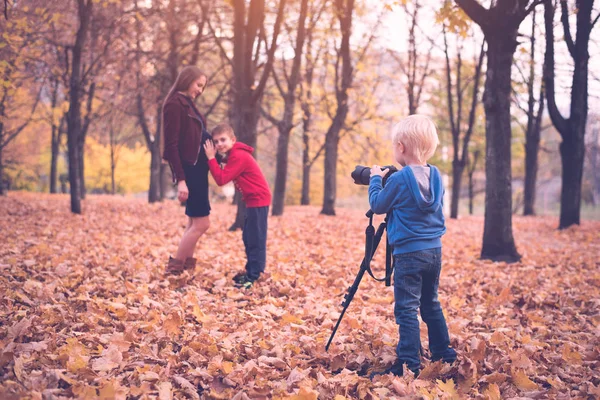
(233, 169)
(381, 199)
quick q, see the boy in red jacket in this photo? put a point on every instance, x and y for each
(242, 169)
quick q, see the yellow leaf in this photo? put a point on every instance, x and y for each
(448, 388)
(227, 367)
(304, 394)
(108, 391)
(522, 381)
(85, 392)
(18, 368)
(165, 391)
(172, 324)
(497, 337)
(290, 319)
(571, 355)
(492, 392)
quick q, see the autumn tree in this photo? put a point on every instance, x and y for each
(287, 88)
(344, 10)
(307, 103)
(416, 63)
(462, 91)
(533, 128)
(166, 37)
(571, 129)
(17, 72)
(593, 156)
(500, 25)
(251, 67)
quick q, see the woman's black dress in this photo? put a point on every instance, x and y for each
(196, 176)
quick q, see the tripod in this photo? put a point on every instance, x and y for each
(371, 242)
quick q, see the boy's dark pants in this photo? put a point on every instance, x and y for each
(255, 240)
(416, 280)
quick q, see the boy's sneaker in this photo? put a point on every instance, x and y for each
(237, 278)
(245, 282)
(396, 369)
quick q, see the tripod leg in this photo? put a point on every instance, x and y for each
(365, 266)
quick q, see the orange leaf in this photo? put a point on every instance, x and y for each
(492, 392)
(522, 381)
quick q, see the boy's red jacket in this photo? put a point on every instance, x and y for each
(243, 170)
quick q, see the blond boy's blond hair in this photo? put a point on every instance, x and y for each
(419, 136)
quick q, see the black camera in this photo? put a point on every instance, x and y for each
(362, 174)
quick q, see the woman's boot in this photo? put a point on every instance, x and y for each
(175, 266)
(190, 264)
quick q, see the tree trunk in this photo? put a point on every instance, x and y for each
(471, 166)
(244, 119)
(457, 172)
(306, 165)
(281, 169)
(498, 241)
(594, 154)
(154, 191)
(532, 146)
(54, 158)
(81, 150)
(532, 142)
(331, 157)
(572, 130)
(531, 167)
(471, 194)
(74, 129)
(2, 191)
(287, 122)
(55, 137)
(345, 11)
(164, 180)
(572, 152)
(247, 93)
(113, 167)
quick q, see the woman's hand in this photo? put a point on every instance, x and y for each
(209, 149)
(182, 191)
(377, 171)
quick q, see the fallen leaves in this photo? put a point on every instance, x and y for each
(87, 312)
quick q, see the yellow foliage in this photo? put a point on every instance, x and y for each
(132, 172)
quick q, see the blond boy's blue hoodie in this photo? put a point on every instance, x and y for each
(414, 223)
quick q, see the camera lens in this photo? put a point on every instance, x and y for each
(361, 175)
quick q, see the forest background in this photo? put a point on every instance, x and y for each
(403, 57)
(315, 86)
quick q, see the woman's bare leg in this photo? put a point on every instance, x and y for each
(196, 228)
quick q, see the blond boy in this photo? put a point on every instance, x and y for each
(412, 198)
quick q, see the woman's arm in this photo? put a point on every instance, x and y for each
(172, 114)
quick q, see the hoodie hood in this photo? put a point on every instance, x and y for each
(434, 203)
(242, 146)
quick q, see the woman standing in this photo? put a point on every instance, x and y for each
(184, 134)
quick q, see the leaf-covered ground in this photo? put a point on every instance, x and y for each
(87, 313)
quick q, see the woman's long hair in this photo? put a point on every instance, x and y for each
(184, 80)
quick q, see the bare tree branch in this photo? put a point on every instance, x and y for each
(564, 18)
(595, 20)
(10, 136)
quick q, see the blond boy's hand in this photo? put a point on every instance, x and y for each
(377, 171)
(209, 149)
